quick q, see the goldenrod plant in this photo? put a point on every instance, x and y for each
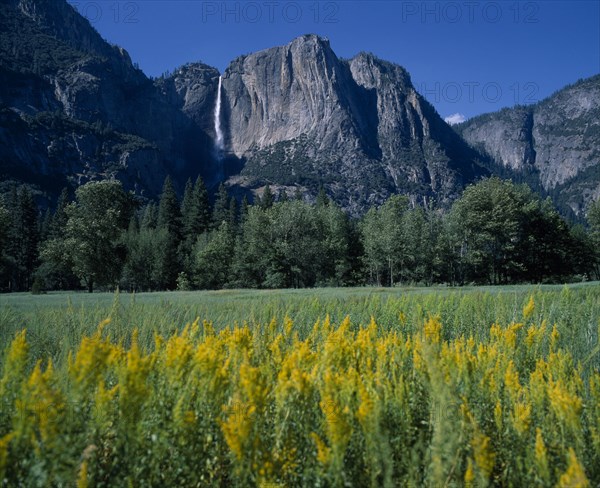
(338, 404)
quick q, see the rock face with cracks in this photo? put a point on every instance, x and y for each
(557, 140)
(74, 108)
(299, 115)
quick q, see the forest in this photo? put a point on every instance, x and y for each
(497, 232)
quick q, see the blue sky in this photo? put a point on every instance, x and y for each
(467, 57)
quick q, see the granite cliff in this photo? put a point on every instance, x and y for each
(556, 140)
(74, 108)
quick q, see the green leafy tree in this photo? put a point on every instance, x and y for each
(44, 225)
(488, 217)
(384, 240)
(142, 269)
(334, 230)
(56, 268)
(213, 255)
(93, 235)
(505, 233)
(252, 250)
(292, 244)
(296, 247)
(373, 257)
(547, 250)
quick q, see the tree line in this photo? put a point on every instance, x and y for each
(497, 232)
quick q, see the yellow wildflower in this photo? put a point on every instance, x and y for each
(17, 354)
(511, 379)
(15, 362)
(366, 409)
(103, 400)
(521, 417)
(575, 476)
(541, 455)
(554, 336)
(483, 454)
(183, 417)
(275, 349)
(82, 479)
(4, 446)
(44, 403)
(402, 318)
(529, 308)
(253, 384)
(498, 415)
(565, 405)
(133, 387)
(432, 329)
(323, 452)
(469, 473)
(92, 358)
(288, 326)
(236, 429)
(177, 354)
(338, 426)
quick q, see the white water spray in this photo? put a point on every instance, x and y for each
(218, 131)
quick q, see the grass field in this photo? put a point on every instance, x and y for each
(56, 322)
(324, 387)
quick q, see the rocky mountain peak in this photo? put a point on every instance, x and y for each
(62, 21)
(73, 108)
(555, 142)
(371, 71)
(299, 113)
(192, 89)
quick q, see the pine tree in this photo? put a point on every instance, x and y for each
(59, 219)
(322, 198)
(169, 219)
(195, 211)
(45, 223)
(267, 198)
(149, 216)
(187, 205)
(203, 203)
(233, 214)
(25, 238)
(5, 260)
(244, 209)
(169, 213)
(221, 208)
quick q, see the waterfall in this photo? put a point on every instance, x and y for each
(218, 131)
